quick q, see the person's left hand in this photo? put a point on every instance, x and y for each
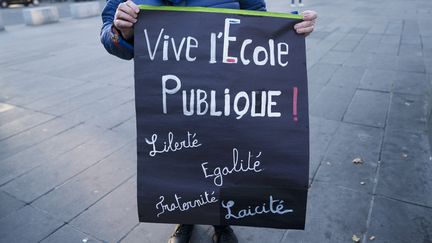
(307, 26)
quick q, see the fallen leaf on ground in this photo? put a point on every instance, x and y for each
(357, 161)
(355, 238)
(372, 238)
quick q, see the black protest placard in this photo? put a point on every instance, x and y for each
(222, 117)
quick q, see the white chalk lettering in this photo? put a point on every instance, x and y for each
(202, 102)
(272, 103)
(237, 166)
(274, 206)
(170, 45)
(179, 48)
(184, 205)
(260, 55)
(191, 43)
(170, 145)
(227, 39)
(282, 52)
(150, 52)
(166, 91)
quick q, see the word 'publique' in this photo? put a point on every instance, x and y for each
(203, 102)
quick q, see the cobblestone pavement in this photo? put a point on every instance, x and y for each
(67, 132)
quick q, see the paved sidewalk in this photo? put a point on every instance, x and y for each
(67, 132)
(13, 14)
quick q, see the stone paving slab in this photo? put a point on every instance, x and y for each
(100, 107)
(360, 112)
(33, 136)
(369, 42)
(8, 204)
(386, 60)
(147, 232)
(115, 117)
(346, 45)
(61, 97)
(351, 142)
(412, 83)
(82, 100)
(331, 103)
(359, 59)
(411, 64)
(321, 133)
(428, 64)
(406, 154)
(111, 75)
(334, 214)
(68, 234)
(99, 180)
(10, 113)
(335, 57)
(248, 234)
(122, 217)
(313, 91)
(379, 80)
(321, 73)
(408, 112)
(411, 49)
(394, 221)
(27, 225)
(22, 124)
(31, 88)
(408, 188)
(403, 145)
(127, 127)
(44, 152)
(29, 186)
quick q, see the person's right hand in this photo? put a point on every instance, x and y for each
(125, 17)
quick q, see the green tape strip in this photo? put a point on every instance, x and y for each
(221, 10)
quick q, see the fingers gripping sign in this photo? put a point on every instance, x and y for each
(125, 17)
(307, 26)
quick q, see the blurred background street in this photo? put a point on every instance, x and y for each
(13, 14)
(67, 130)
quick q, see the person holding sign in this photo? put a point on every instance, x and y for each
(119, 18)
(117, 36)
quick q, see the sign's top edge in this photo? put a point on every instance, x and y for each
(222, 10)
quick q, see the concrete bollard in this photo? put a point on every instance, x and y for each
(1, 23)
(41, 15)
(85, 10)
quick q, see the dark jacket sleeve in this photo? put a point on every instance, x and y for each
(112, 40)
(253, 5)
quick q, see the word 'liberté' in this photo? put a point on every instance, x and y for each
(204, 102)
(273, 54)
(170, 145)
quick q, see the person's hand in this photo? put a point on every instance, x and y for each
(125, 17)
(307, 26)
